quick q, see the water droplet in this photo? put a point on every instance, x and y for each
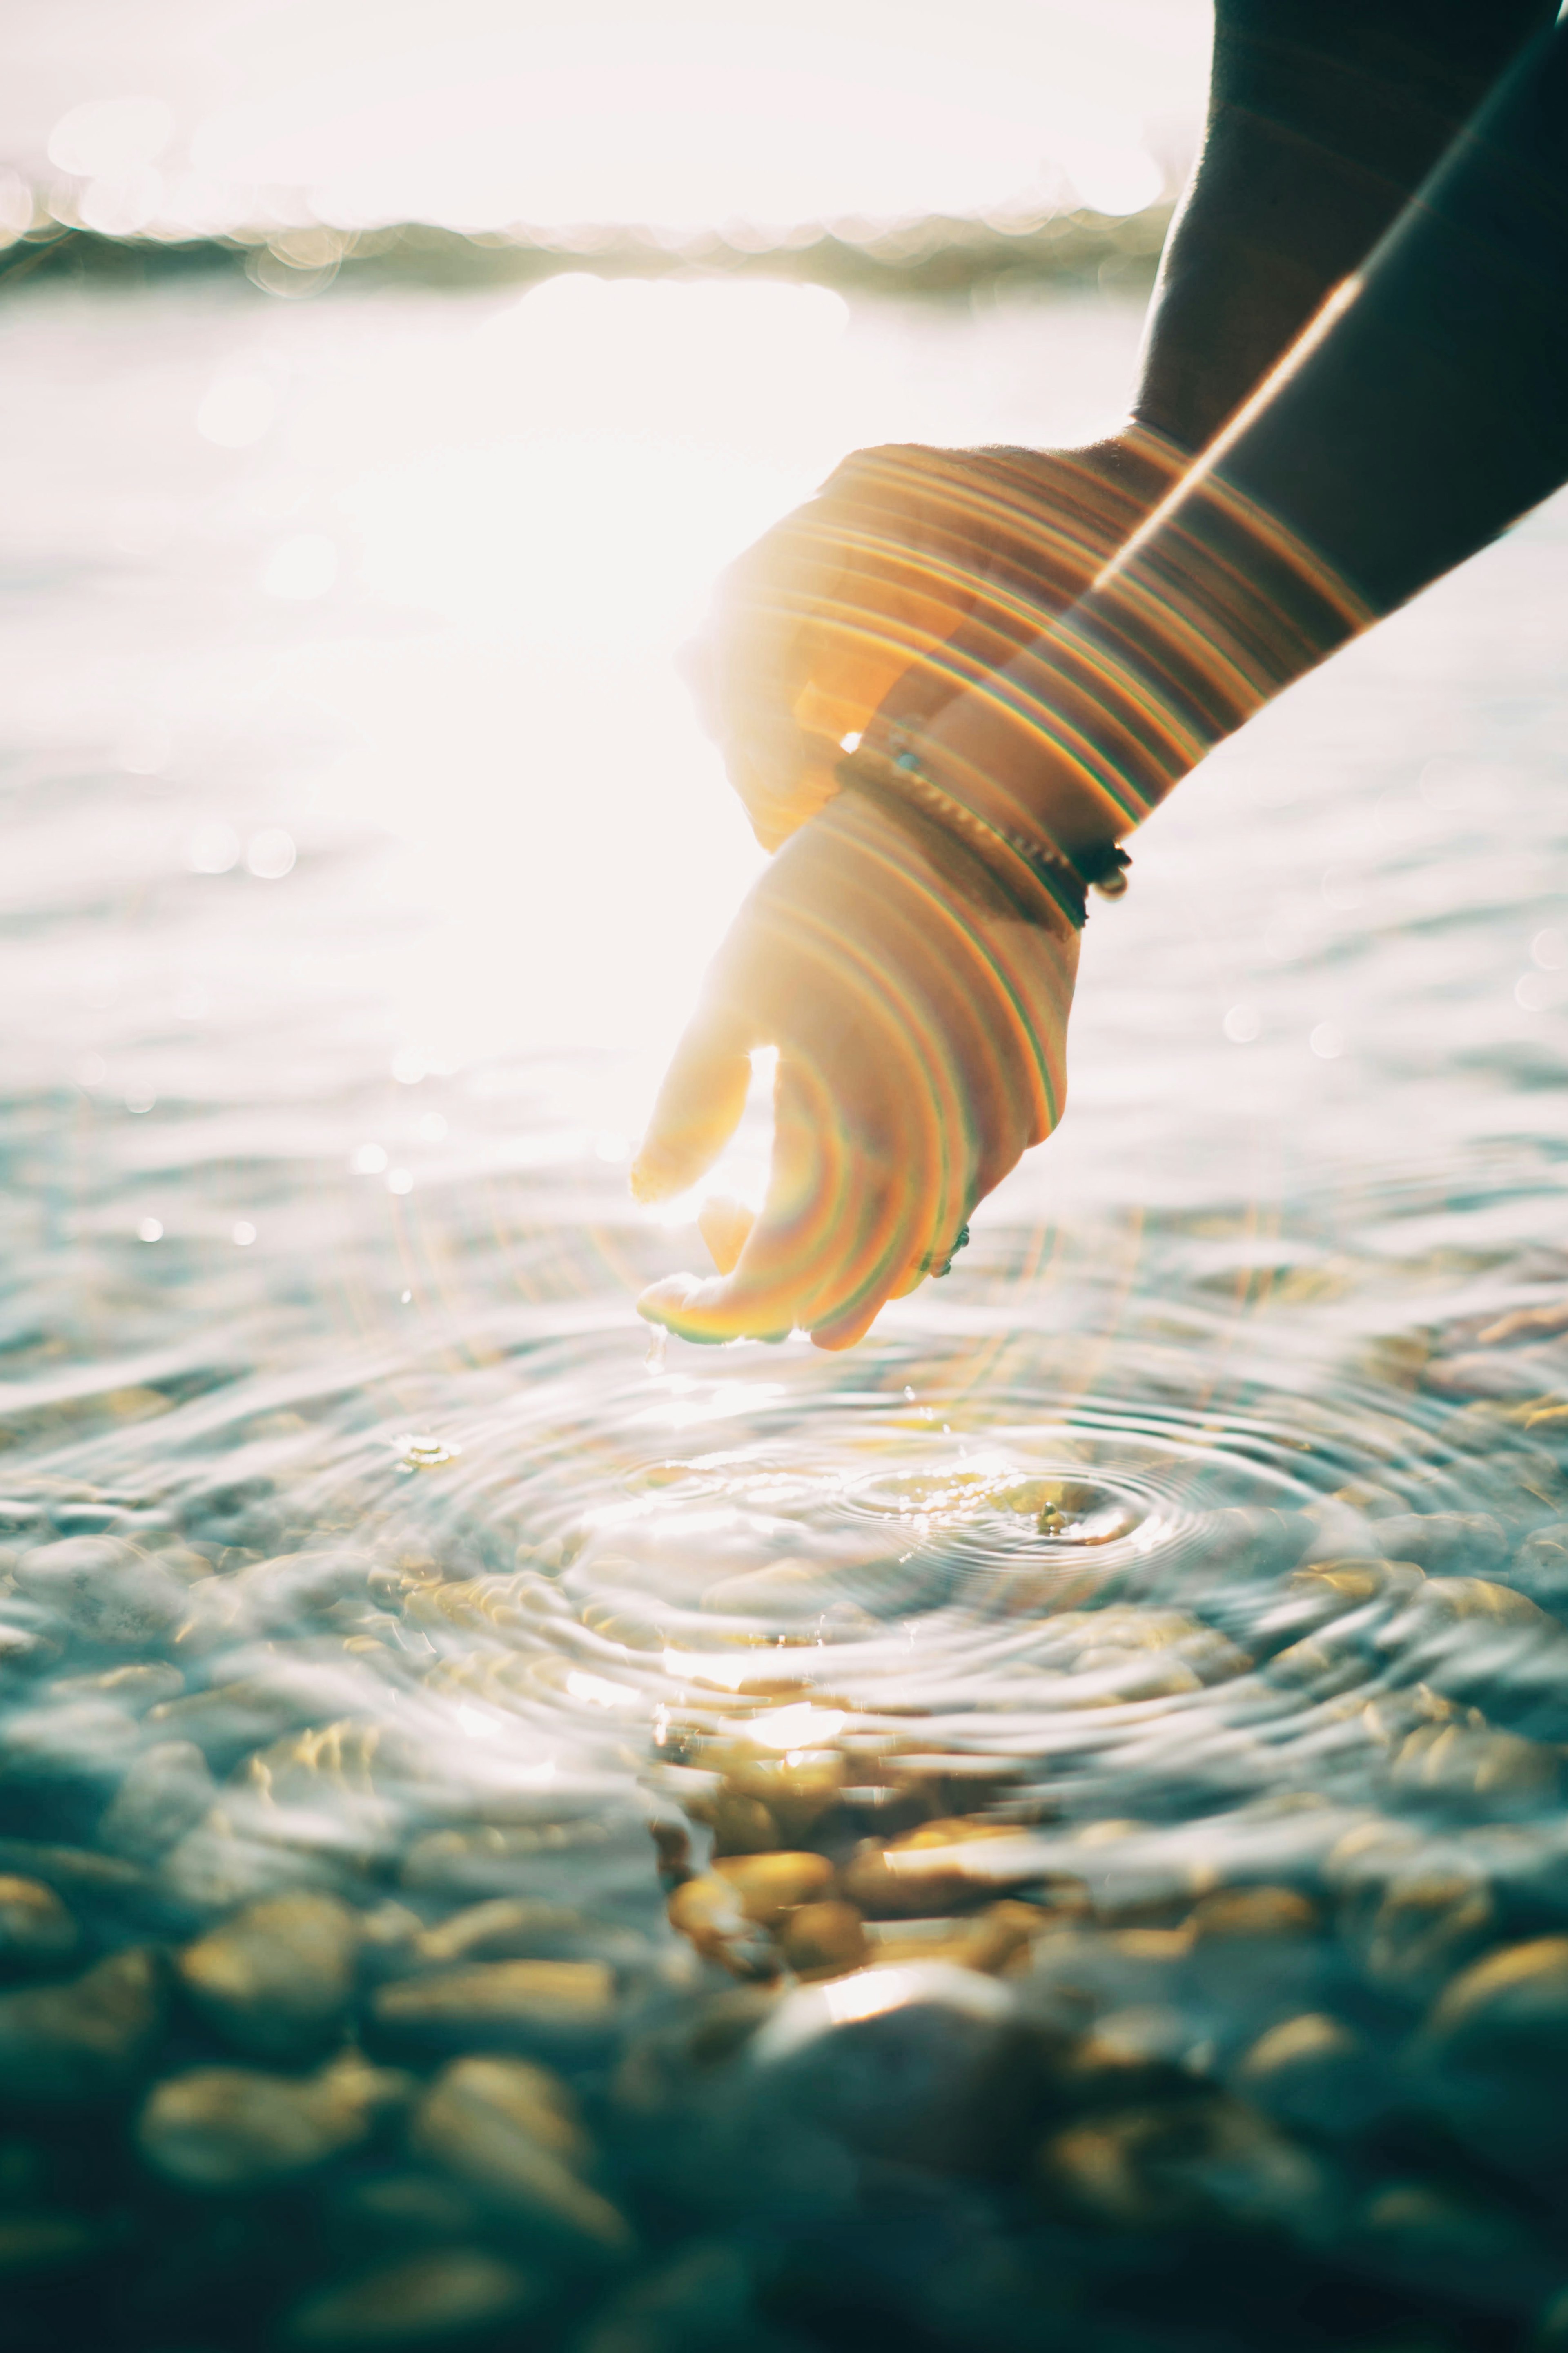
(244, 1232)
(369, 1160)
(1549, 949)
(406, 1298)
(91, 1070)
(1242, 1024)
(400, 1180)
(150, 1230)
(271, 853)
(213, 850)
(1327, 1041)
(419, 1450)
(408, 1066)
(138, 1103)
(1535, 992)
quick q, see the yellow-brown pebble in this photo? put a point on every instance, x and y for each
(927, 1871)
(823, 1940)
(767, 1887)
(1253, 1912)
(707, 1910)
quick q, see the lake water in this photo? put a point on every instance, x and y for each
(1138, 1674)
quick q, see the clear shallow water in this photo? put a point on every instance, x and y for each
(413, 1584)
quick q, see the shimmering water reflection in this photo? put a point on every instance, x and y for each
(1046, 1830)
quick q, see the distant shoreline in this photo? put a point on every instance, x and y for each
(935, 256)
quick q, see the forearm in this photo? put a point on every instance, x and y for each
(1425, 413)
(1324, 117)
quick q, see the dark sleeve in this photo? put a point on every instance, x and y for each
(1324, 118)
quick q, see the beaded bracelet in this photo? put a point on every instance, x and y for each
(1023, 871)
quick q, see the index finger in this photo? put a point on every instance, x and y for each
(843, 1229)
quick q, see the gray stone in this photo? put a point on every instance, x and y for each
(1444, 1544)
(65, 2045)
(222, 2129)
(166, 1791)
(925, 2064)
(275, 1980)
(511, 2131)
(1540, 1568)
(104, 1590)
(424, 2299)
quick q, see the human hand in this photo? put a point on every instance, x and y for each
(920, 1035)
(915, 567)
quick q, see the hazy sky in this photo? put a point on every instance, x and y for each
(772, 111)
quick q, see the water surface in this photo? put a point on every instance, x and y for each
(1201, 1541)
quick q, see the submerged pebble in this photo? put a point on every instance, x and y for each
(85, 2041)
(431, 2299)
(496, 2001)
(104, 1590)
(37, 1932)
(233, 2129)
(511, 2131)
(165, 1791)
(276, 1979)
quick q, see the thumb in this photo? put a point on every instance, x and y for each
(699, 1104)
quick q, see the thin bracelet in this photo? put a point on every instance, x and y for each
(898, 779)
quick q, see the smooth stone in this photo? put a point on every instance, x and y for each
(795, 1789)
(502, 1860)
(938, 1867)
(769, 1886)
(511, 2131)
(1417, 1925)
(236, 2128)
(552, 2001)
(220, 1865)
(275, 1980)
(740, 1824)
(426, 2299)
(103, 1589)
(227, 1720)
(74, 2044)
(1467, 1762)
(1540, 1568)
(289, 1588)
(1179, 2165)
(1493, 2054)
(1315, 2071)
(824, 1940)
(166, 1791)
(1511, 2002)
(991, 1940)
(925, 2065)
(1444, 1544)
(133, 1688)
(507, 1929)
(411, 2207)
(1253, 1912)
(708, 1910)
(37, 1932)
